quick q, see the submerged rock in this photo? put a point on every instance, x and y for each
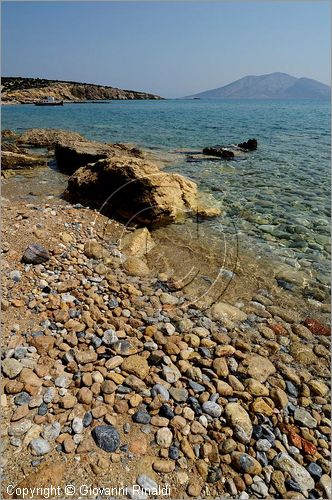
(222, 310)
(249, 145)
(138, 243)
(219, 151)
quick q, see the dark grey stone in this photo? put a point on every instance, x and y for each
(196, 386)
(263, 432)
(292, 485)
(214, 475)
(262, 458)
(291, 389)
(22, 398)
(35, 254)
(195, 406)
(106, 437)
(315, 470)
(87, 419)
(141, 417)
(166, 411)
(43, 409)
(173, 453)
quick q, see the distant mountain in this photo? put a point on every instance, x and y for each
(25, 90)
(272, 86)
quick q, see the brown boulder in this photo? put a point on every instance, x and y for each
(135, 189)
(8, 134)
(138, 243)
(43, 343)
(17, 161)
(73, 154)
(136, 267)
(13, 148)
(136, 365)
(47, 137)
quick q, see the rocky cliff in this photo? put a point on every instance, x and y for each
(26, 90)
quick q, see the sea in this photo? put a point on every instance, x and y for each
(277, 198)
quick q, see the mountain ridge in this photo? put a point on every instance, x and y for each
(269, 86)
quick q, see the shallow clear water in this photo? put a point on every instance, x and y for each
(277, 196)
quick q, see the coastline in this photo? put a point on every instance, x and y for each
(202, 396)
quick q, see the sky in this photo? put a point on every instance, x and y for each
(172, 49)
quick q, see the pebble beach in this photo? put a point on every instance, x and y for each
(111, 379)
(115, 377)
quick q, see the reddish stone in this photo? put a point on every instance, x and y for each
(296, 440)
(301, 443)
(278, 329)
(308, 448)
(139, 446)
(316, 327)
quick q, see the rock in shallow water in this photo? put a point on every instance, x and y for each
(222, 310)
(106, 437)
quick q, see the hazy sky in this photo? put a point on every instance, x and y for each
(171, 49)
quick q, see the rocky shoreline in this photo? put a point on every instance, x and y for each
(112, 377)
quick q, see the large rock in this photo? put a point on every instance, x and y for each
(71, 154)
(48, 137)
(18, 161)
(222, 310)
(35, 254)
(106, 437)
(11, 367)
(136, 190)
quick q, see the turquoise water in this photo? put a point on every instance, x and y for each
(277, 196)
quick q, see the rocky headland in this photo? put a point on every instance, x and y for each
(116, 372)
(15, 90)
